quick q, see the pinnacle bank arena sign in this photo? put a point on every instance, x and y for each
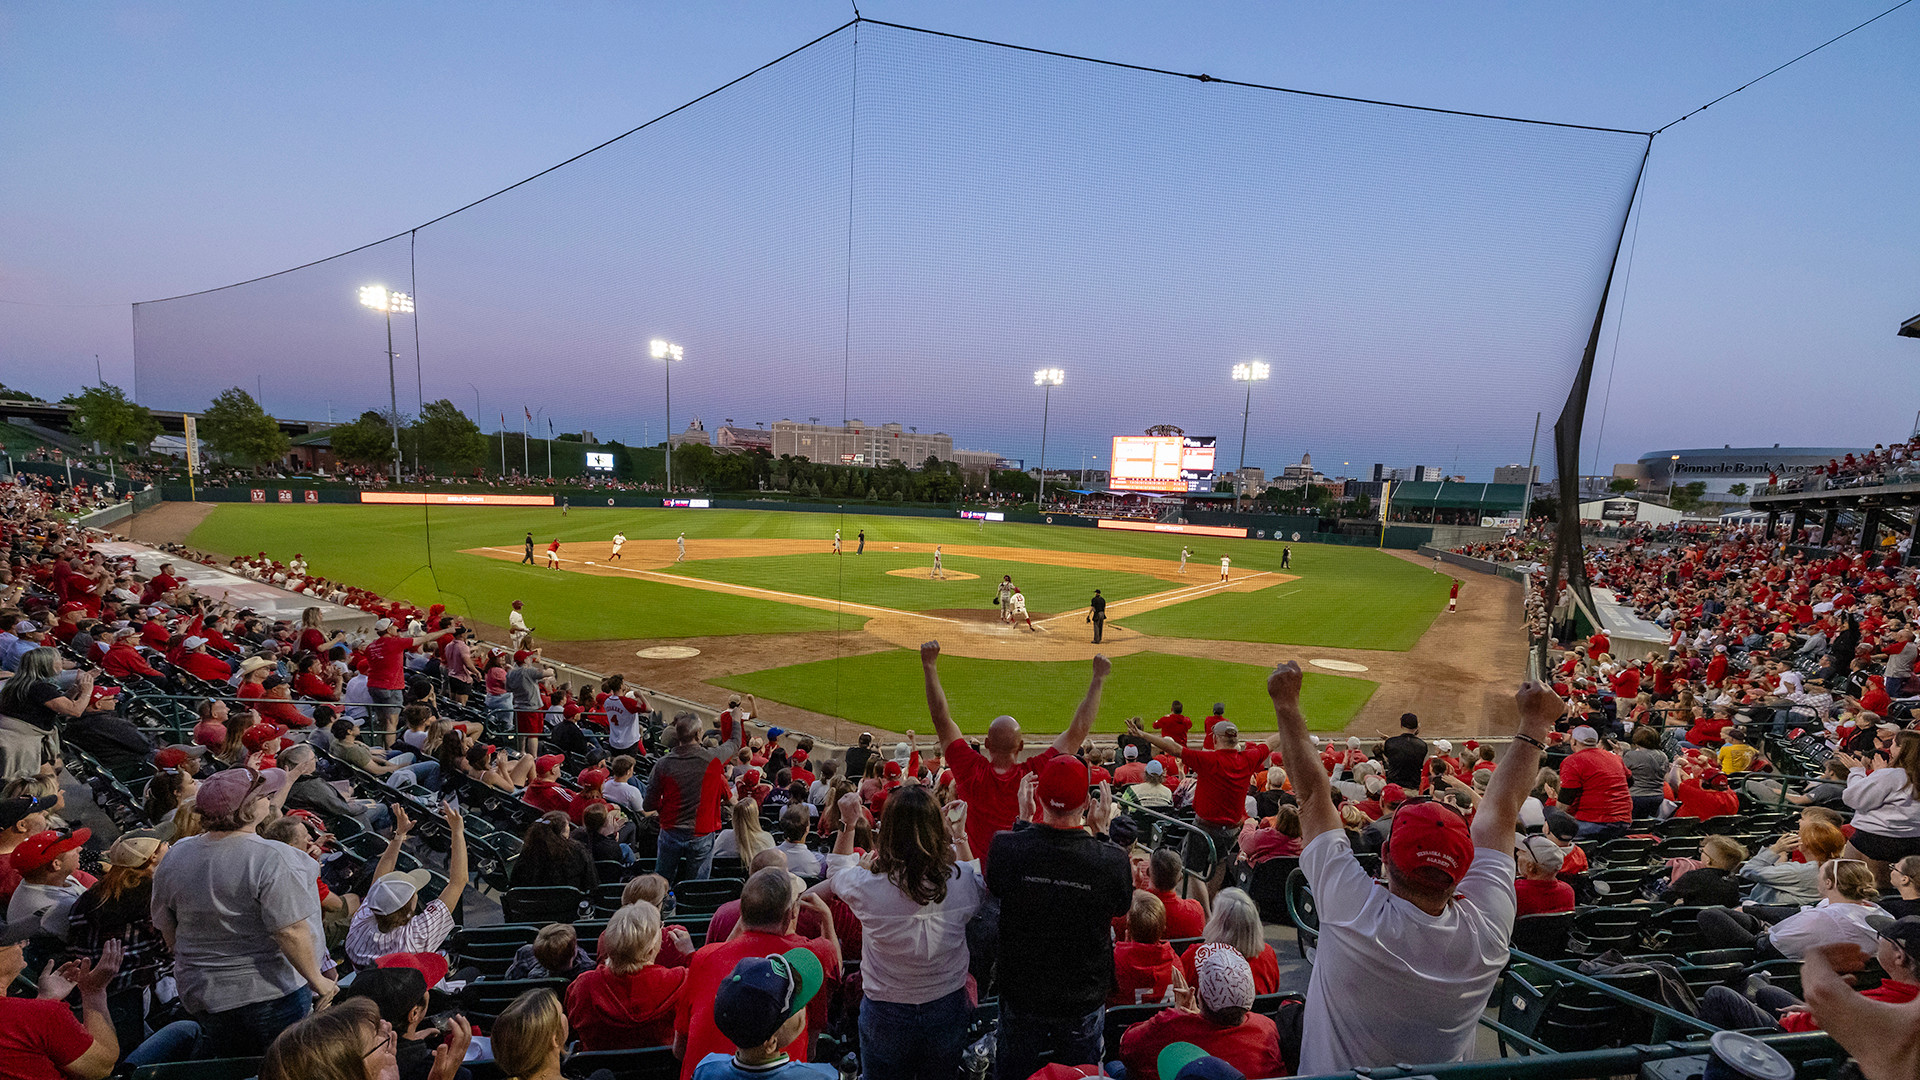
(1744, 463)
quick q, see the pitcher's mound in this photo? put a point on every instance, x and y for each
(925, 573)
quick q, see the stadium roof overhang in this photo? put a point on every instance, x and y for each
(1443, 495)
(1911, 328)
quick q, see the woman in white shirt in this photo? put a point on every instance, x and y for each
(914, 896)
(1886, 805)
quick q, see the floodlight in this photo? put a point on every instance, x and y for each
(1049, 377)
(1250, 372)
(379, 299)
(666, 350)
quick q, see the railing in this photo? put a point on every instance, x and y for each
(1805, 1048)
(1135, 810)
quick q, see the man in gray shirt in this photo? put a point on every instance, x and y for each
(523, 682)
(242, 916)
(1900, 663)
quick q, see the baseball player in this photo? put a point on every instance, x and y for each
(517, 628)
(836, 541)
(553, 555)
(1286, 558)
(1453, 596)
(1183, 558)
(937, 572)
(1006, 598)
(1223, 567)
(683, 548)
(619, 540)
(1018, 610)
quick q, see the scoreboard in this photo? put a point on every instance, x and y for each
(1163, 464)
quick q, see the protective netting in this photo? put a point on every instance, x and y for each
(892, 225)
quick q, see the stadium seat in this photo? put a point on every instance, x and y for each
(1267, 884)
(1544, 936)
(543, 903)
(651, 1063)
(204, 1069)
(1305, 917)
(484, 999)
(703, 896)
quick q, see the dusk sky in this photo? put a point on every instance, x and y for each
(1415, 280)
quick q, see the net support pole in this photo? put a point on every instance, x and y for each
(1568, 565)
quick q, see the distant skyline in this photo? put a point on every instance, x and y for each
(157, 150)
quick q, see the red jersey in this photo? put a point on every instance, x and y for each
(1601, 780)
(547, 796)
(1207, 742)
(1174, 726)
(992, 798)
(1141, 973)
(387, 661)
(1221, 797)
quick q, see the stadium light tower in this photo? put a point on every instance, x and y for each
(1248, 373)
(668, 351)
(391, 303)
(1049, 378)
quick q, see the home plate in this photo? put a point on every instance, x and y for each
(1338, 665)
(668, 652)
(589, 562)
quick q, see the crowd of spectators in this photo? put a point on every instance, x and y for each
(293, 880)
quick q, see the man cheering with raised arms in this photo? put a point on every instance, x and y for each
(1404, 972)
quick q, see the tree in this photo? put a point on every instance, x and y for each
(367, 440)
(10, 394)
(1737, 489)
(1621, 484)
(239, 430)
(448, 436)
(1687, 497)
(104, 414)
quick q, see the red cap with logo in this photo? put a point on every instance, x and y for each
(1063, 784)
(1429, 836)
(547, 763)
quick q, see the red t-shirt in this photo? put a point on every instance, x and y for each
(1703, 803)
(1542, 897)
(1707, 730)
(1185, 918)
(386, 662)
(712, 964)
(1891, 991)
(1141, 973)
(1174, 726)
(1207, 742)
(1266, 969)
(548, 796)
(1221, 796)
(1601, 779)
(992, 798)
(39, 1038)
(1252, 1046)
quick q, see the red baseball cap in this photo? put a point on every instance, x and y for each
(43, 847)
(1429, 836)
(170, 757)
(593, 778)
(431, 965)
(892, 769)
(547, 763)
(261, 734)
(1063, 784)
(1395, 794)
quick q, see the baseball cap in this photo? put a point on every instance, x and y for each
(1904, 932)
(1223, 978)
(1154, 768)
(25, 626)
(1132, 752)
(394, 889)
(1545, 852)
(1429, 836)
(799, 757)
(1185, 1061)
(132, 850)
(261, 734)
(194, 642)
(209, 733)
(593, 778)
(429, 964)
(1063, 784)
(1226, 728)
(14, 811)
(47, 845)
(762, 992)
(1586, 735)
(547, 763)
(1443, 745)
(902, 752)
(1392, 793)
(382, 625)
(228, 790)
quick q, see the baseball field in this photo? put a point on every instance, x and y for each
(759, 603)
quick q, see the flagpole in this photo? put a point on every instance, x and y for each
(549, 449)
(503, 447)
(524, 468)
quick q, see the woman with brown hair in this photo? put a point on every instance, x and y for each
(120, 906)
(350, 1041)
(1886, 805)
(529, 1037)
(913, 897)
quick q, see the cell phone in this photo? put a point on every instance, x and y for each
(451, 802)
(955, 811)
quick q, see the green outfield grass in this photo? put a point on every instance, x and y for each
(863, 579)
(1346, 597)
(884, 690)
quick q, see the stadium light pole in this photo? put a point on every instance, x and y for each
(1673, 470)
(669, 352)
(1048, 378)
(391, 303)
(1248, 373)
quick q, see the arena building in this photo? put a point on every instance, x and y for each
(1727, 466)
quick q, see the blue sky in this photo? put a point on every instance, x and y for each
(153, 150)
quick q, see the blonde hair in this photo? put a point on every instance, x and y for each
(1235, 921)
(631, 940)
(647, 888)
(1147, 918)
(747, 833)
(526, 1033)
(1851, 878)
(1724, 851)
(326, 1045)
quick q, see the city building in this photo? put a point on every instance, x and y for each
(696, 434)
(855, 443)
(740, 439)
(1516, 474)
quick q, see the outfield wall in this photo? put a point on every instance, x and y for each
(1291, 528)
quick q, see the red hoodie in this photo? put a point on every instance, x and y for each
(625, 1012)
(1141, 972)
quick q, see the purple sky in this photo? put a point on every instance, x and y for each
(155, 150)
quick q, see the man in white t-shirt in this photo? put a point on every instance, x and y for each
(1404, 967)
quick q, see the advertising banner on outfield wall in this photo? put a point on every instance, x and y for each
(441, 498)
(1166, 527)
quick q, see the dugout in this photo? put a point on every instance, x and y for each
(1447, 503)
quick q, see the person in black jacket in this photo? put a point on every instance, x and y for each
(1059, 889)
(1711, 884)
(1097, 615)
(550, 856)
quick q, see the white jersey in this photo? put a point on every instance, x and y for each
(1019, 603)
(1223, 563)
(618, 540)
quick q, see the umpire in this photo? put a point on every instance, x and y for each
(1098, 616)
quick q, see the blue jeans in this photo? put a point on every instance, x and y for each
(247, 1030)
(1020, 1040)
(1602, 830)
(683, 857)
(175, 1042)
(914, 1042)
